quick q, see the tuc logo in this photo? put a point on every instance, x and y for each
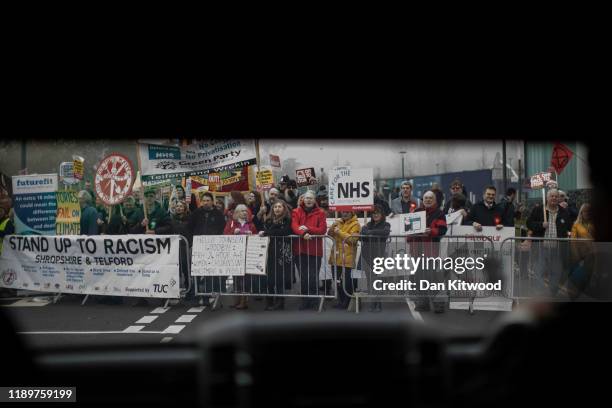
(157, 288)
(9, 277)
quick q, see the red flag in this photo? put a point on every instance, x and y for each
(561, 155)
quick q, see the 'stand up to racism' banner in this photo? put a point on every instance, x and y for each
(121, 265)
(34, 203)
(159, 162)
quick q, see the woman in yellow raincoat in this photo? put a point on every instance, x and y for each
(345, 232)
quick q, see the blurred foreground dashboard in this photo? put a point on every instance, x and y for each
(295, 361)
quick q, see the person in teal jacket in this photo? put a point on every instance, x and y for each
(89, 215)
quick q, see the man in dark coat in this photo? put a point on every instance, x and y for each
(207, 220)
(455, 188)
(485, 213)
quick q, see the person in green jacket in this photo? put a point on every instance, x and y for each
(132, 216)
(155, 216)
(89, 215)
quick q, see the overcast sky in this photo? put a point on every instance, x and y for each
(420, 159)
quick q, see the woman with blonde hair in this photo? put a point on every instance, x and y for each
(581, 252)
(240, 225)
(583, 227)
(280, 257)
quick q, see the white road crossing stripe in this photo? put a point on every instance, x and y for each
(166, 340)
(160, 310)
(185, 319)
(28, 303)
(94, 332)
(133, 329)
(196, 309)
(146, 319)
(174, 329)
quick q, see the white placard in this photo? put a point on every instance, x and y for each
(351, 189)
(455, 218)
(218, 255)
(120, 265)
(413, 223)
(256, 255)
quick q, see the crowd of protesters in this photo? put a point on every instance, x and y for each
(286, 213)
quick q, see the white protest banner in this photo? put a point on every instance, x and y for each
(218, 255)
(159, 162)
(120, 265)
(256, 255)
(479, 242)
(351, 189)
(492, 233)
(35, 204)
(413, 223)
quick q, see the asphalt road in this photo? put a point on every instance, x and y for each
(67, 323)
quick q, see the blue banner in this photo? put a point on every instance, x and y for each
(35, 204)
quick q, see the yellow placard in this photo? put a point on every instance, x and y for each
(264, 179)
(68, 218)
(77, 168)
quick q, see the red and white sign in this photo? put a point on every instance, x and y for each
(114, 179)
(539, 180)
(275, 161)
(305, 177)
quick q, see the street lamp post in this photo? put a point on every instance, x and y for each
(403, 153)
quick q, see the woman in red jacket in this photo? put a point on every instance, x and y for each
(308, 220)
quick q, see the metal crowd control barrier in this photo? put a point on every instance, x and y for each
(184, 270)
(289, 274)
(543, 266)
(392, 283)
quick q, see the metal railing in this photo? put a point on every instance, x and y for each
(547, 269)
(294, 269)
(375, 281)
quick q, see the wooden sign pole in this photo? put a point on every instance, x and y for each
(261, 194)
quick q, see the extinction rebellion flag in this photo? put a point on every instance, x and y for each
(561, 155)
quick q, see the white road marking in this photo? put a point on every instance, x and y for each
(166, 340)
(133, 329)
(416, 315)
(196, 309)
(174, 329)
(146, 319)
(93, 332)
(28, 303)
(160, 310)
(185, 319)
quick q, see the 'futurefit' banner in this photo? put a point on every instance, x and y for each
(159, 162)
(34, 203)
(121, 265)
